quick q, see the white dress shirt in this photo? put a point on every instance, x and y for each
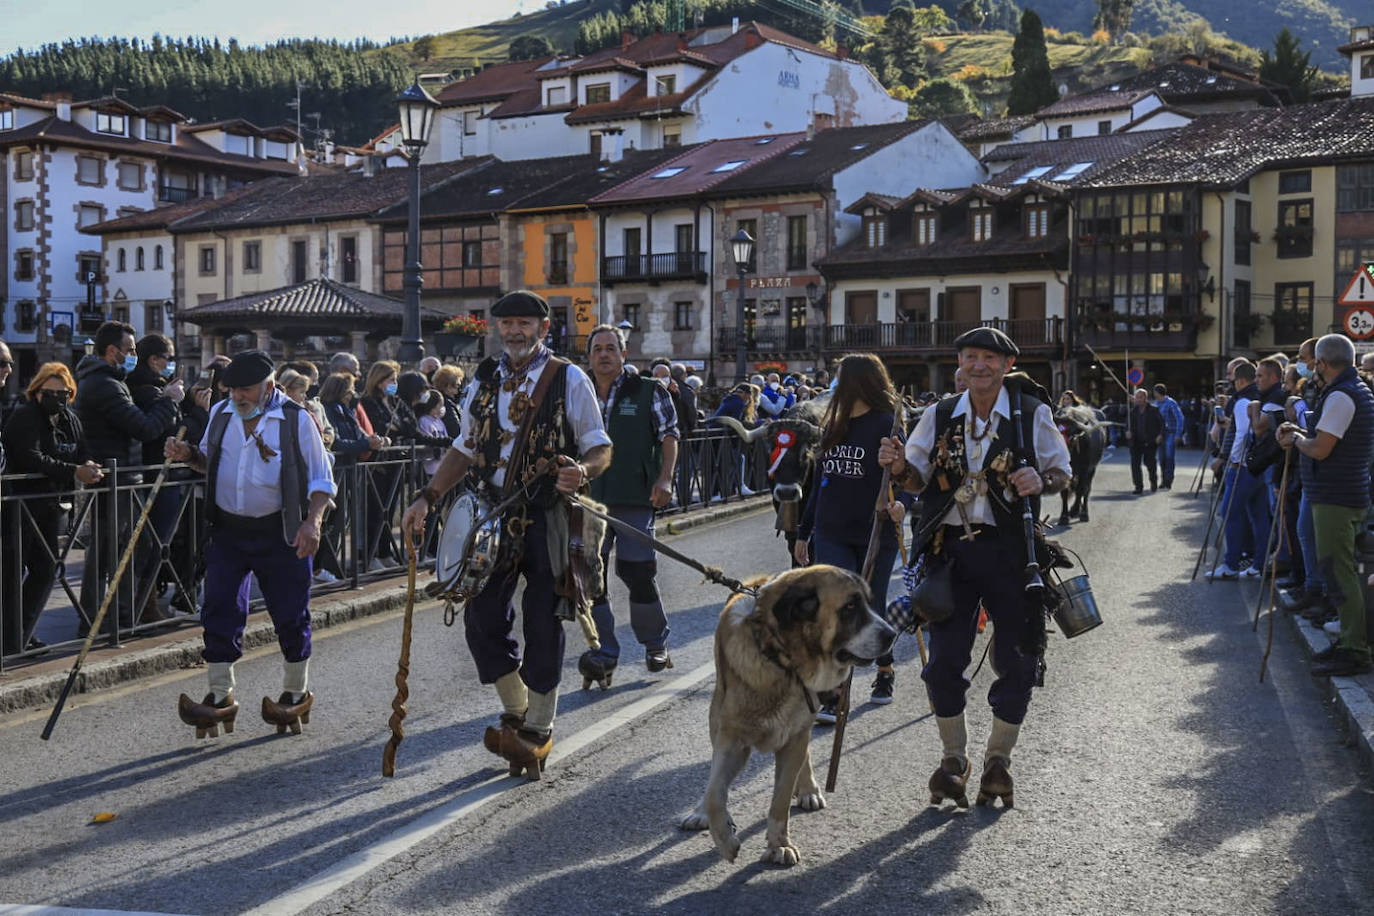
(1051, 452)
(246, 484)
(580, 405)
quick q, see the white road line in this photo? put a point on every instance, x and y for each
(422, 828)
(20, 909)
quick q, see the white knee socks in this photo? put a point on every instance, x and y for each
(543, 707)
(953, 737)
(296, 678)
(221, 679)
(1001, 741)
(515, 696)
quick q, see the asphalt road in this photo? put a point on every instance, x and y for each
(1155, 775)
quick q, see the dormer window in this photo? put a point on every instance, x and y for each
(665, 85)
(7, 119)
(875, 228)
(598, 93)
(980, 222)
(924, 230)
(1037, 221)
(555, 95)
(159, 131)
(107, 122)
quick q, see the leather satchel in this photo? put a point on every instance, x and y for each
(932, 597)
(1262, 453)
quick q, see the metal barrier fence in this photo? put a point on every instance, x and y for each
(58, 551)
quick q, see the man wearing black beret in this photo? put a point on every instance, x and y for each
(526, 414)
(268, 482)
(963, 457)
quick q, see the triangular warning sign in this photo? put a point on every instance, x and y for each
(1360, 289)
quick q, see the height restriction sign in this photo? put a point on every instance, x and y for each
(1357, 304)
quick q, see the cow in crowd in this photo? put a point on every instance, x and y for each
(1085, 430)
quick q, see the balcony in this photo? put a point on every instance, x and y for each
(673, 265)
(170, 195)
(1032, 335)
(1154, 332)
(772, 341)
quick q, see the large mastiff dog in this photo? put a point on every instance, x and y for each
(802, 634)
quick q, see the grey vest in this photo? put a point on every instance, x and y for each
(294, 478)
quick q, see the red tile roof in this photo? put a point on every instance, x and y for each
(27, 102)
(694, 171)
(321, 299)
(493, 83)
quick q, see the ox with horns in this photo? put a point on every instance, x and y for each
(1085, 430)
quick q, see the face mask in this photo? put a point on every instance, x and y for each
(170, 369)
(130, 362)
(250, 413)
(52, 402)
(1304, 370)
(390, 390)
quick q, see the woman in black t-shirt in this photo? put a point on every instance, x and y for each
(839, 513)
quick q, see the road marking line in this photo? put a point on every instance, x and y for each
(422, 828)
(20, 909)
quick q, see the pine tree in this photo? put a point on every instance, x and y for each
(1288, 66)
(1032, 85)
(1114, 17)
(901, 48)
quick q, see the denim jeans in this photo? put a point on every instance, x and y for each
(851, 557)
(1247, 519)
(1307, 540)
(1167, 450)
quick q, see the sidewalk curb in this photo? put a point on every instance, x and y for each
(1352, 699)
(329, 610)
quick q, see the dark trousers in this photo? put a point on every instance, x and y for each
(987, 570)
(29, 567)
(1143, 453)
(833, 552)
(636, 565)
(489, 619)
(283, 577)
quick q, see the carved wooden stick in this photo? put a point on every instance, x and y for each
(398, 703)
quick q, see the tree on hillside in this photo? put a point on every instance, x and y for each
(529, 47)
(931, 19)
(1288, 66)
(943, 96)
(971, 13)
(1114, 17)
(1032, 85)
(903, 58)
(423, 48)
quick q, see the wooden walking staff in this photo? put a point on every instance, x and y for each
(110, 592)
(398, 703)
(870, 557)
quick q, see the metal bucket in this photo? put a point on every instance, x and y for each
(1077, 610)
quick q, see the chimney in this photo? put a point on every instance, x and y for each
(734, 25)
(64, 111)
(626, 39)
(372, 166)
(617, 146)
(752, 39)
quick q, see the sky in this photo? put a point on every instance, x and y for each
(30, 23)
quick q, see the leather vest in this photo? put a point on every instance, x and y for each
(551, 434)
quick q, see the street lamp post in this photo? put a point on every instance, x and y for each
(742, 247)
(417, 109)
(816, 296)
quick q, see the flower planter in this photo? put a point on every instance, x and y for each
(457, 345)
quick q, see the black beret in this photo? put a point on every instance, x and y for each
(247, 369)
(985, 338)
(520, 304)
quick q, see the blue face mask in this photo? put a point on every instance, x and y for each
(170, 369)
(391, 390)
(1303, 369)
(130, 362)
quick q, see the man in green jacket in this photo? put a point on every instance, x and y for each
(642, 423)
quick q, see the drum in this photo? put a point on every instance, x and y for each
(467, 548)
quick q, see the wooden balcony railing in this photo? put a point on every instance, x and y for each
(780, 341)
(673, 265)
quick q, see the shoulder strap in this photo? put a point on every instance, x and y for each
(516, 469)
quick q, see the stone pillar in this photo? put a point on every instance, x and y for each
(264, 338)
(357, 341)
(210, 345)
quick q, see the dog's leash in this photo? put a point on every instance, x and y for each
(712, 573)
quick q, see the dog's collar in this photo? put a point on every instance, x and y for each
(776, 657)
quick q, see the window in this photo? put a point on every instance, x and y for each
(682, 315)
(23, 265)
(300, 257)
(729, 166)
(160, 131)
(120, 312)
(88, 267)
(138, 258)
(88, 170)
(1104, 127)
(980, 220)
(207, 260)
(1367, 67)
(632, 314)
(152, 317)
(1292, 316)
(25, 316)
(1037, 221)
(1294, 233)
(472, 254)
(7, 119)
(157, 257)
(752, 227)
(598, 93)
(875, 228)
(129, 176)
(176, 187)
(1073, 171)
(1243, 230)
(796, 243)
(1355, 187)
(1065, 132)
(558, 257)
(796, 322)
(665, 85)
(23, 215)
(121, 261)
(751, 320)
(470, 122)
(1295, 182)
(23, 166)
(89, 215)
(924, 231)
(348, 258)
(670, 171)
(1240, 308)
(672, 136)
(107, 122)
(630, 244)
(683, 238)
(252, 257)
(555, 95)
(594, 144)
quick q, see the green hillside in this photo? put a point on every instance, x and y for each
(486, 44)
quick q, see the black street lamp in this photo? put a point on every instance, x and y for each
(742, 247)
(816, 296)
(417, 109)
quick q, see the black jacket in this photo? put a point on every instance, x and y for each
(35, 445)
(408, 430)
(112, 421)
(685, 400)
(453, 417)
(146, 386)
(1146, 426)
(349, 439)
(381, 414)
